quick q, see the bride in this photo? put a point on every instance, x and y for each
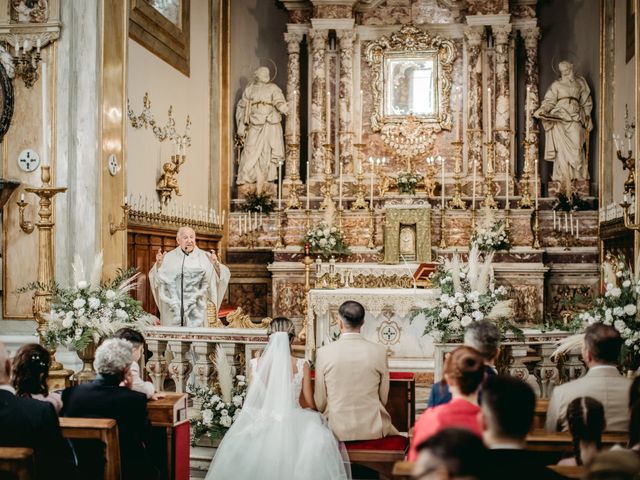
(274, 437)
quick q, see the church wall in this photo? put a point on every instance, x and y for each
(570, 31)
(189, 96)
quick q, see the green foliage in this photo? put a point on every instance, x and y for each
(325, 240)
(258, 202)
(574, 203)
(408, 181)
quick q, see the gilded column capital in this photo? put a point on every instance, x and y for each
(293, 42)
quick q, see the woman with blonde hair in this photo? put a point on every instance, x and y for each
(274, 437)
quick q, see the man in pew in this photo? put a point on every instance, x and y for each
(507, 415)
(105, 398)
(603, 381)
(352, 381)
(30, 423)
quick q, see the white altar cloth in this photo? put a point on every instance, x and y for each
(386, 322)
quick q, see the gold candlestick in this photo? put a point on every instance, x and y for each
(443, 241)
(372, 229)
(361, 190)
(489, 185)
(340, 214)
(627, 218)
(293, 200)
(279, 238)
(325, 189)
(456, 202)
(307, 219)
(307, 262)
(525, 188)
(535, 229)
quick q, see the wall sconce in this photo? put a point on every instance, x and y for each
(168, 181)
(124, 223)
(27, 60)
(627, 222)
(26, 226)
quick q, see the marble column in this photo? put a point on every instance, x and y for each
(317, 116)
(474, 37)
(531, 38)
(502, 38)
(292, 166)
(345, 108)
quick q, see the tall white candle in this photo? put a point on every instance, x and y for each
(328, 114)
(489, 114)
(554, 219)
(308, 184)
(372, 175)
(293, 117)
(506, 184)
(458, 135)
(577, 228)
(280, 185)
(45, 116)
(361, 113)
(473, 195)
(442, 182)
(340, 188)
(526, 113)
(571, 222)
(535, 183)
(224, 212)
(566, 222)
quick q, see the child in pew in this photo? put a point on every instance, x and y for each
(585, 416)
(137, 384)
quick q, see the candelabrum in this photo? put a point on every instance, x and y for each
(628, 163)
(372, 229)
(489, 185)
(293, 200)
(279, 235)
(443, 241)
(627, 217)
(535, 228)
(325, 189)
(113, 228)
(456, 202)
(525, 186)
(143, 215)
(26, 64)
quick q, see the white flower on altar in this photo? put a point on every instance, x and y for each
(237, 401)
(618, 274)
(444, 298)
(630, 309)
(333, 230)
(94, 303)
(226, 421)
(121, 314)
(445, 312)
(215, 399)
(477, 315)
(458, 309)
(80, 312)
(323, 242)
(207, 417)
(79, 303)
(220, 406)
(474, 296)
(437, 336)
(455, 324)
(110, 294)
(626, 283)
(326, 232)
(466, 320)
(78, 333)
(618, 311)
(619, 325)
(82, 284)
(475, 305)
(616, 292)
(242, 378)
(332, 242)
(67, 322)
(451, 302)
(224, 413)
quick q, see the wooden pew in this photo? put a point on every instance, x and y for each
(561, 441)
(17, 462)
(171, 436)
(103, 429)
(540, 414)
(567, 471)
(403, 470)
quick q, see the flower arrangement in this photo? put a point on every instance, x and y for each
(258, 202)
(565, 203)
(326, 240)
(617, 306)
(221, 404)
(408, 181)
(467, 296)
(491, 234)
(91, 310)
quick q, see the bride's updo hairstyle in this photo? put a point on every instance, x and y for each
(466, 367)
(282, 324)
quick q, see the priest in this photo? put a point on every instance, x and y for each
(185, 279)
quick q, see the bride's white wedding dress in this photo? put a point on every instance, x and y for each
(273, 438)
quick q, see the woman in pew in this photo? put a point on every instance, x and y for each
(585, 416)
(464, 372)
(30, 372)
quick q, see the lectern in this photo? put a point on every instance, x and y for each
(171, 439)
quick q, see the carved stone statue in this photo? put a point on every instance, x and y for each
(258, 120)
(565, 113)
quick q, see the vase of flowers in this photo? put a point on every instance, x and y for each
(87, 355)
(408, 182)
(326, 240)
(491, 234)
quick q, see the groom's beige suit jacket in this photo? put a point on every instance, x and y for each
(352, 387)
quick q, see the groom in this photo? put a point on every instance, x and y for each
(352, 381)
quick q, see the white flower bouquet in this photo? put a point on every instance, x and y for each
(326, 240)
(617, 306)
(221, 404)
(467, 295)
(91, 310)
(491, 234)
(408, 182)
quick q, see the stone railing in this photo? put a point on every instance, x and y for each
(530, 360)
(179, 352)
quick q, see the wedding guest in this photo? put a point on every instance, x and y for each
(464, 372)
(105, 398)
(585, 416)
(452, 454)
(484, 336)
(137, 340)
(352, 381)
(603, 381)
(507, 415)
(634, 420)
(614, 465)
(30, 373)
(30, 423)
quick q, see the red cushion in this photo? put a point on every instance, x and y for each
(226, 310)
(392, 442)
(401, 375)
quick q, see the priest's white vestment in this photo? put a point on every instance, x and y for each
(184, 284)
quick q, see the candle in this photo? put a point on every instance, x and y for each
(125, 200)
(506, 185)
(240, 225)
(340, 188)
(458, 135)
(223, 214)
(328, 114)
(526, 113)
(38, 45)
(255, 220)
(293, 117)
(473, 195)
(617, 142)
(566, 224)
(45, 117)
(554, 219)
(361, 116)
(279, 185)
(308, 185)
(535, 183)
(577, 229)
(628, 143)
(17, 47)
(372, 175)
(489, 101)
(571, 222)
(441, 159)
(22, 197)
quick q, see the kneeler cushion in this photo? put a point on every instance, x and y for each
(390, 443)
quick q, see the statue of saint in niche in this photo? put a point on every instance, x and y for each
(565, 113)
(259, 123)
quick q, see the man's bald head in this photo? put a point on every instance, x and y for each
(5, 365)
(186, 239)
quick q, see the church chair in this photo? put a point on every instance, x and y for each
(16, 463)
(104, 430)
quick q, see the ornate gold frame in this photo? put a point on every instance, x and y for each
(411, 40)
(159, 35)
(394, 217)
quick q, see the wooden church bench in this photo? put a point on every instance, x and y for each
(561, 441)
(103, 429)
(379, 454)
(403, 470)
(540, 414)
(17, 462)
(568, 471)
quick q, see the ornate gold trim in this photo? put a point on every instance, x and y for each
(236, 319)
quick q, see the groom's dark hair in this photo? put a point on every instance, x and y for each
(352, 314)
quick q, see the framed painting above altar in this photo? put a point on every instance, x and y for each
(163, 28)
